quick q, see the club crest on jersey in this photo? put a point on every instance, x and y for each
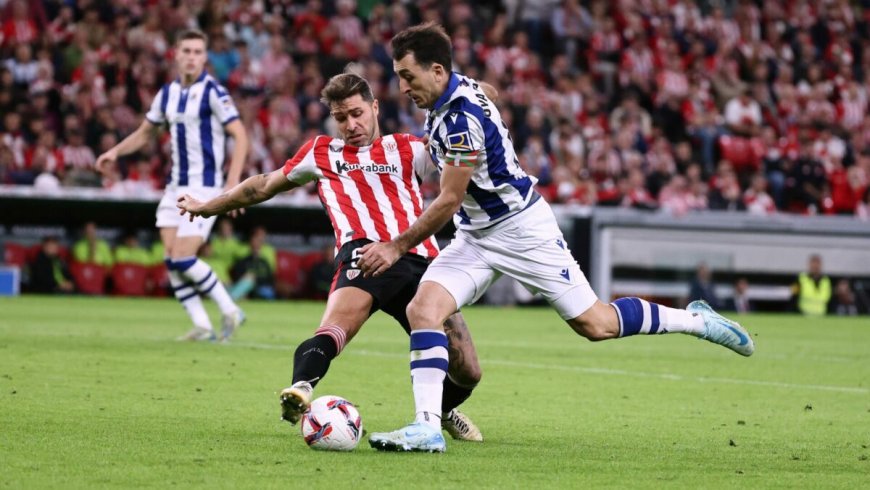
(352, 274)
(459, 141)
(390, 146)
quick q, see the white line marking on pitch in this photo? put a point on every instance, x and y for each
(592, 370)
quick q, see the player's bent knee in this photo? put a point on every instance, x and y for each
(424, 313)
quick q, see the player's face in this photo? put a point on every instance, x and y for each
(357, 120)
(422, 85)
(191, 56)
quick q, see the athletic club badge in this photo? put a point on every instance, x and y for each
(352, 274)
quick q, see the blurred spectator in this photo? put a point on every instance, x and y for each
(79, 161)
(757, 77)
(812, 291)
(862, 209)
(322, 273)
(90, 249)
(255, 274)
(739, 301)
(756, 199)
(49, 273)
(226, 249)
(129, 251)
(701, 286)
(806, 182)
(843, 302)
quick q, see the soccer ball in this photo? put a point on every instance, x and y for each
(332, 423)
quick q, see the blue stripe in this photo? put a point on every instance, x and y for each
(437, 363)
(464, 219)
(185, 298)
(164, 99)
(169, 263)
(181, 140)
(497, 164)
(183, 286)
(208, 289)
(631, 311)
(488, 201)
(205, 139)
(427, 340)
(185, 263)
(206, 278)
(654, 325)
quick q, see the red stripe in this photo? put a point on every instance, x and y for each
(379, 156)
(345, 204)
(407, 153)
(366, 194)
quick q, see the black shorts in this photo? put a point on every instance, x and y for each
(392, 290)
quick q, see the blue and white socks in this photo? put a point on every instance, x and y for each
(637, 316)
(428, 369)
(190, 276)
(188, 296)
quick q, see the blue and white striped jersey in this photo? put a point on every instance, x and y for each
(196, 116)
(465, 128)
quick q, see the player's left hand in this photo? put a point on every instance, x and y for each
(375, 258)
(189, 205)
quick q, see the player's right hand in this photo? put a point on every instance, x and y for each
(190, 205)
(105, 161)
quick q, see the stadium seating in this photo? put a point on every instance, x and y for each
(289, 276)
(14, 254)
(130, 280)
(89, 278)
(158, 278)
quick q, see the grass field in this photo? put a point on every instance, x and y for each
(94, 392)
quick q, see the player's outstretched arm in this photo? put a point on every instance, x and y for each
(376, 258)
(253, 190)
(137, 139)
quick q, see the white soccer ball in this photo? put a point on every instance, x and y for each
(332, 423)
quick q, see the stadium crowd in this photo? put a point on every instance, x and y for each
(676, 105)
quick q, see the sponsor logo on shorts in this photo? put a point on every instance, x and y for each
(352, 274)
(565, 274)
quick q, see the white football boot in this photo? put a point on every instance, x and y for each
(417, 437)
(295, 400)
(460, 427)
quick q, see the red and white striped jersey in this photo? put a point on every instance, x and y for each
(369, 192)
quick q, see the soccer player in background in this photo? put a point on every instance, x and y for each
(199, 114)
(503, 227)
(369, 185)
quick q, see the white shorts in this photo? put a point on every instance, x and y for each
(528, 247)
(168, 213)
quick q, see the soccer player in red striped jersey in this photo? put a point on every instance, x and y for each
(369, 185)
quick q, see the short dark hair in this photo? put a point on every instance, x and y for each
(346, 85)
(429, 42)
(192, 34)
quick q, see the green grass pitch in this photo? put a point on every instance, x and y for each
(95, 393)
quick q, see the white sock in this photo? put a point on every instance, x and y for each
(683, 321)
(189, 299)
(428, 370)
(207, 282)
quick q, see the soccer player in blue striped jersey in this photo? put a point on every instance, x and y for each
(503, 228)
(199, 114)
